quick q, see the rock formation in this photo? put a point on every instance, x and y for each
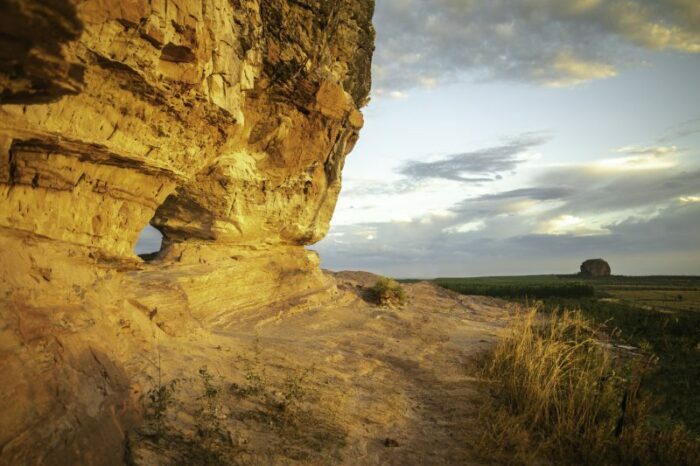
(595, 268)
(223, 123)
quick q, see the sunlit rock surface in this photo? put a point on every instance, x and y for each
(223, 123)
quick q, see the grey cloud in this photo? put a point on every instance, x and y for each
(601, 192)
(477, 166)
(653, 151)
(354, 187)
(555, 42)
(681, 131)
(672, 229)
(666, 243)
(664, 240)
(537, 194)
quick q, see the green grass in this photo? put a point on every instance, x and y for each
(672, 336)
(658, 314)
(537, 287)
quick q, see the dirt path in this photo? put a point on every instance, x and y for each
(394, 385)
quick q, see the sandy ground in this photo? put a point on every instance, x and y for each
(376, 385)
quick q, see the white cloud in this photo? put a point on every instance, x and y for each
(633, 163)
(570, 225)
(466, 227)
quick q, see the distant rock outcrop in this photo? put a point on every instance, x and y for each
(595, 268)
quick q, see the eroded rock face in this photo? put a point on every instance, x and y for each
(595, 268)
(229, 120)
(223, 123)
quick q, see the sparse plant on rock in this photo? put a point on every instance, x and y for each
(214, 444)
(254, 373)
(209, 428)
(158, 400)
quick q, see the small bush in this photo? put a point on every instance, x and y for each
(559, 393)
(388, 292)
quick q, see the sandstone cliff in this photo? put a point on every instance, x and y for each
(223, 123)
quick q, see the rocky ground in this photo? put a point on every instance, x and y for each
(329, 379)
(372, 385)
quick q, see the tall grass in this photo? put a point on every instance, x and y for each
(560, 393)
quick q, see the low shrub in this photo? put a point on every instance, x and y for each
(388, 292)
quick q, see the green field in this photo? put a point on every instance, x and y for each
(660, 315)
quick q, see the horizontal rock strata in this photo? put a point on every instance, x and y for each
(223, 123)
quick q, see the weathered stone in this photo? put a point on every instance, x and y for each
(223, 123)
(595, 268)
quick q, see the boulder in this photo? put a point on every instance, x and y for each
(595, 268)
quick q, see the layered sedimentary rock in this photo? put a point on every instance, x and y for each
(229, 121)
(223, 123)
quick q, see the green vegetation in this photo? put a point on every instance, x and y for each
(560, 393)
(672, 336)
(660, 315)
(535, 287)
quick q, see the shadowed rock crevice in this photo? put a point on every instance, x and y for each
(33, 67)
(177, 53)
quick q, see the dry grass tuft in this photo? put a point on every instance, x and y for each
(388, 292)
(560, 394)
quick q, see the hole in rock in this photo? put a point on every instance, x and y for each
(149, 243)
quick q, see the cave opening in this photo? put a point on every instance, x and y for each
(149, 243)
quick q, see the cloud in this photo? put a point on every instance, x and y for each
(483, 165)
(598, 192)
(639, 158)
(565, 70)
(538, 194)
(353, 187)
(664, 243)
(550, 42)
(624, 212)
(569, 224)
(689, 199)
(683, 130)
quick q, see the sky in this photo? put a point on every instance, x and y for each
(512, 137)
(523, 137)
